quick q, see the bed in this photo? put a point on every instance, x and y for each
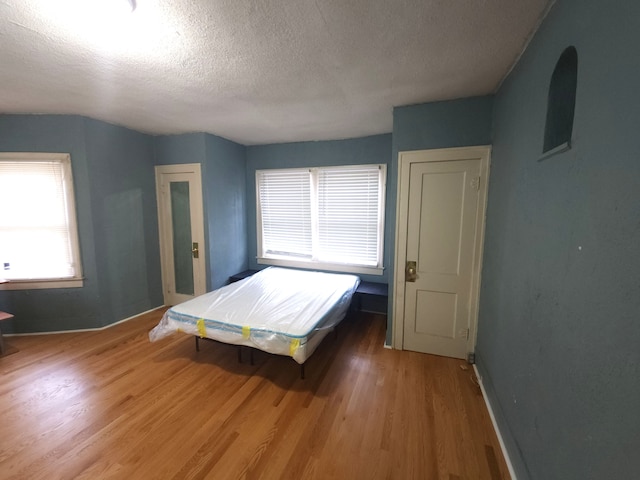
(277, 310)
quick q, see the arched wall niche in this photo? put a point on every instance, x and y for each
(561, 103)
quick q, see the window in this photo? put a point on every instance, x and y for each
(330, 218)
(38, 233)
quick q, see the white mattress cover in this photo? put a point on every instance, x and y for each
(277, 310)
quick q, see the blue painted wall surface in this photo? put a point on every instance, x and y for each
(223, 188)
(177, 149)
(225, 185)
(125, 220)
(559, 332)
(456, 123)
(357, 151)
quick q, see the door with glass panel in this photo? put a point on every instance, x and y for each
(181, 224)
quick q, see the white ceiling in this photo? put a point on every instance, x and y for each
(256, 71)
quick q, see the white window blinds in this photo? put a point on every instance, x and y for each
(38, 239)
(327, 215)
(285, 209)
(349, 217)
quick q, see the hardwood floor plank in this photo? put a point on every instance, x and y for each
(112, 405)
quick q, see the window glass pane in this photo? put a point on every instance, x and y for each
(181, 222)
(348, 210)
(35, 237)
(285, 205)
(332, 216)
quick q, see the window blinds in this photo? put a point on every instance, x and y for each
(285, 209)
(35, 234)
(326, 215)
(348, 215)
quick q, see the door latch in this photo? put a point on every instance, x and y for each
(194, 250)
(410, 273)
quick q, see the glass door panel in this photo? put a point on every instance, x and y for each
(182, 241)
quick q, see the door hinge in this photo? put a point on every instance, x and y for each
(475, 183)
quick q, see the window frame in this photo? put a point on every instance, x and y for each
(77, 280)
(286, 261)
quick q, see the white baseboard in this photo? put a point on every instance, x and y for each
(495, 425)
(57, 332)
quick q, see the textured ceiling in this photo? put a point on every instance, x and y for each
(256, 71)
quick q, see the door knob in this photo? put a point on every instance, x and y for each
(194, 250)
(410, 272)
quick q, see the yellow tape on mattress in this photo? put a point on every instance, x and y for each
(246, 331)
(293, 346)
(202, 331)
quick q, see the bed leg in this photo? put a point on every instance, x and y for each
(197, 344)
(239, 354)
(302, 371)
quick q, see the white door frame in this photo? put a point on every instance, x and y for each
(197, 227)
(405, 159)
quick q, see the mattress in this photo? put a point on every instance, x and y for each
(277, 310)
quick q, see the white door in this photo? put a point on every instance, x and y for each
(181, 224)
(440, 230)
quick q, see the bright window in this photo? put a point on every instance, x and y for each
(329, 218)
(38, 233)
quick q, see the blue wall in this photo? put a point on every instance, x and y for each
(115, 203)
(357, 151)
(178, 149)
(456, 123)
(225, 190)
(124, 216)
(559, 333)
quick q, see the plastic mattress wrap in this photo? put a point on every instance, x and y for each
(278, 310)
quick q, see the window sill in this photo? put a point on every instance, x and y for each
(42, 284)
(331, 267)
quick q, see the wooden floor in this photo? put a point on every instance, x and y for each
(112, 405)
